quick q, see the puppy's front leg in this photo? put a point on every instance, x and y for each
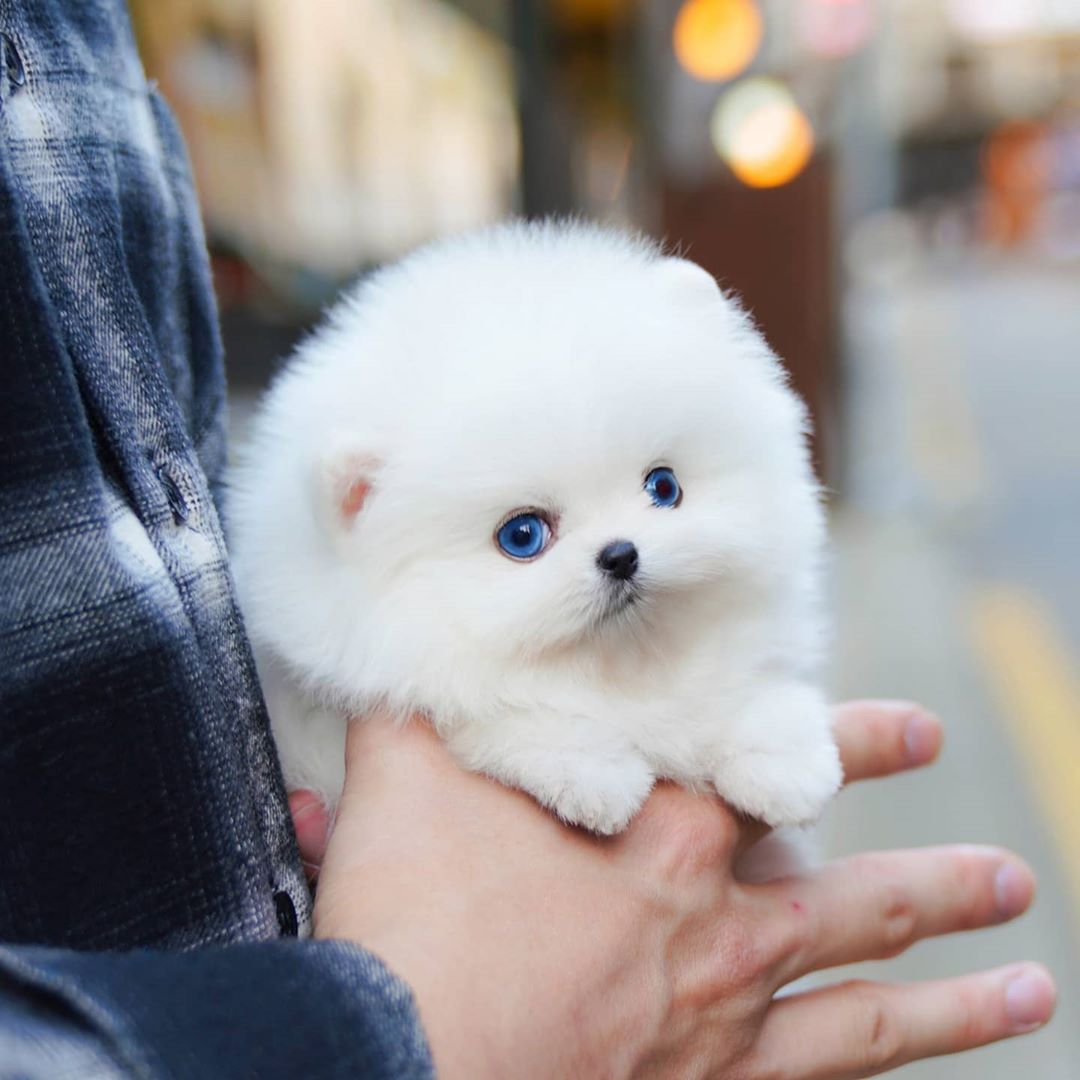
(778, 761)
(587, 779)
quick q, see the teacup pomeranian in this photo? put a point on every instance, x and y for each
(549, 488)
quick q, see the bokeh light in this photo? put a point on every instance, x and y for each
(992, 19)
(1017, 167)
(716, 40)
(835, 28)
(761, 133)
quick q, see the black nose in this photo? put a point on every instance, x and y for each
(619, 559)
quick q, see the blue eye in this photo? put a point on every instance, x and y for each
(524, 536)
(663, 488)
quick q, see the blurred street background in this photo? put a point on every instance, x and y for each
(893, 186)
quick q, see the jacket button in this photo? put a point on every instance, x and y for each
(286, 914)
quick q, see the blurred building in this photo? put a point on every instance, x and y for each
(323, 145)
(764, 137)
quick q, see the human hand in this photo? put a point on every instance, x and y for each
(538, 950)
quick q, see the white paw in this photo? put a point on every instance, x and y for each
(601, 796)
(784, 787)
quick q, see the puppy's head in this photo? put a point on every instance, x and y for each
(544, 446)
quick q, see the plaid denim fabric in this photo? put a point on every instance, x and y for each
(140, 798)
(275, 1010)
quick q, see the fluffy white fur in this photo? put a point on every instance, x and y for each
(542, 366)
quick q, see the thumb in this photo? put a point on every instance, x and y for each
(385, 746)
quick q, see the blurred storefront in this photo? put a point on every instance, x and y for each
(764, 137)
(327, 138)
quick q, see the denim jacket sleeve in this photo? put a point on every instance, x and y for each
(274, 1009)
(144, 833)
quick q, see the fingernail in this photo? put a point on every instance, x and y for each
(1029, 998)
(1013, 889)
(922, 737)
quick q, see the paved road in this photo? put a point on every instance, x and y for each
(955, 583)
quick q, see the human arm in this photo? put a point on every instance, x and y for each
(537, 950)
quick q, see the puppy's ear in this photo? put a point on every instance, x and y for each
(690, 280)
(347, 473)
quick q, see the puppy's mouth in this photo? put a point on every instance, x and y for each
(617, 601)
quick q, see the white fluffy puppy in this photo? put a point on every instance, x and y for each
(550, 488)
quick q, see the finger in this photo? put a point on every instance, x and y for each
(382, 747)
(402, 766)
(875, 738)
(862, 1029)
(869, 907)
(379, 738)
(879, 738)
(311, 821)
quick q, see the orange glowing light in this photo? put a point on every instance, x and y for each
(762, 134)
(717, 39)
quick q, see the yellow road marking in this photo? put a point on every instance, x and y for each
(1040, 689)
